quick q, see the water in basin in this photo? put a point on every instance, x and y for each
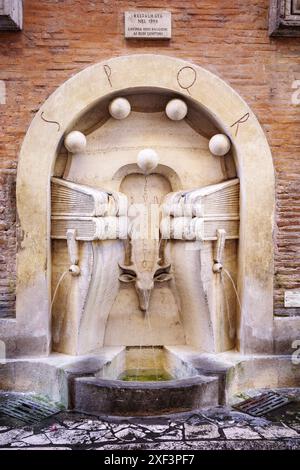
(146, 364)
(145, 375)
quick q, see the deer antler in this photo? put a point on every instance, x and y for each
(161, 253)
(127, 268)
(128, 252)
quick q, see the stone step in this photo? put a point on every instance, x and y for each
(215, 368)
(115, 397)
(205, 364)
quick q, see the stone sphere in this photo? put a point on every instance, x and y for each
(219, 145)
(119, 108)
(75, 142)
(147, 160)
(176, 110)
(74, 270)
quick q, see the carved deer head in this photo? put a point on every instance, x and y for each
(145, 278)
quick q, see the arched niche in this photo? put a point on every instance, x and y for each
(253, 160)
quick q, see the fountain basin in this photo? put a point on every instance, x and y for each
(167, 384)
(63, 379)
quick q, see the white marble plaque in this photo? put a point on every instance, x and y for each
(292, 298)
(148, 24)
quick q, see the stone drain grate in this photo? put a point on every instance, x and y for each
(263, 404)
(28, 410)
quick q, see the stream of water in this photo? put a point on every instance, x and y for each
(57, 331)
(231, 324)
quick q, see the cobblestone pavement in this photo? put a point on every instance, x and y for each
(211, 428)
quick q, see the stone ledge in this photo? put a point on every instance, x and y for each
(94, 395)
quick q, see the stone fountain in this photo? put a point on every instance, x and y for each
(142, 286)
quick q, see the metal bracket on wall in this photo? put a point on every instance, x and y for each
(284, 18)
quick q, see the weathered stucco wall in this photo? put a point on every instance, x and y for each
(61, 38)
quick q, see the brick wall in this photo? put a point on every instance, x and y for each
(229, 38)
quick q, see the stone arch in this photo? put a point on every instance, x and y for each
(253, 161)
